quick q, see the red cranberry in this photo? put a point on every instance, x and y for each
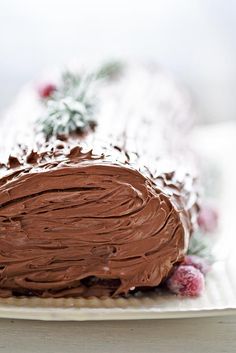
(46, 90)
(186, 281)
(208, 219)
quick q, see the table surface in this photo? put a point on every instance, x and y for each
(216, 335)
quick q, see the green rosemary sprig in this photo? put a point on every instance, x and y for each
(72, 106)
(200, 245)
(65, 116)
(109, 70)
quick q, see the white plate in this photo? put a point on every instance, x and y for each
(216, 144)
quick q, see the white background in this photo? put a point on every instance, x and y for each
(193, 38)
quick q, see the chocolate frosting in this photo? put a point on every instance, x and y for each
(77, 223)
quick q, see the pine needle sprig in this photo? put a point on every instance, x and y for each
(65, 116)
(201, 245)
(72, 106)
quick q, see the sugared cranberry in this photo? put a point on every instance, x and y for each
(186, 281)
(46, 90)
(208, 219)
(198, 262)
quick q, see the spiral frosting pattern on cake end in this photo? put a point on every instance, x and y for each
(84, 225)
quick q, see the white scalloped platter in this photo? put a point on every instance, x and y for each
(215, 144)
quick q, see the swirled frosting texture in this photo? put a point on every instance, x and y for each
(81, 224)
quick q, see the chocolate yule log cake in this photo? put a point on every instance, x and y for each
(96, 202)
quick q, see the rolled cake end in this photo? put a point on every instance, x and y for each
(85, 226)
